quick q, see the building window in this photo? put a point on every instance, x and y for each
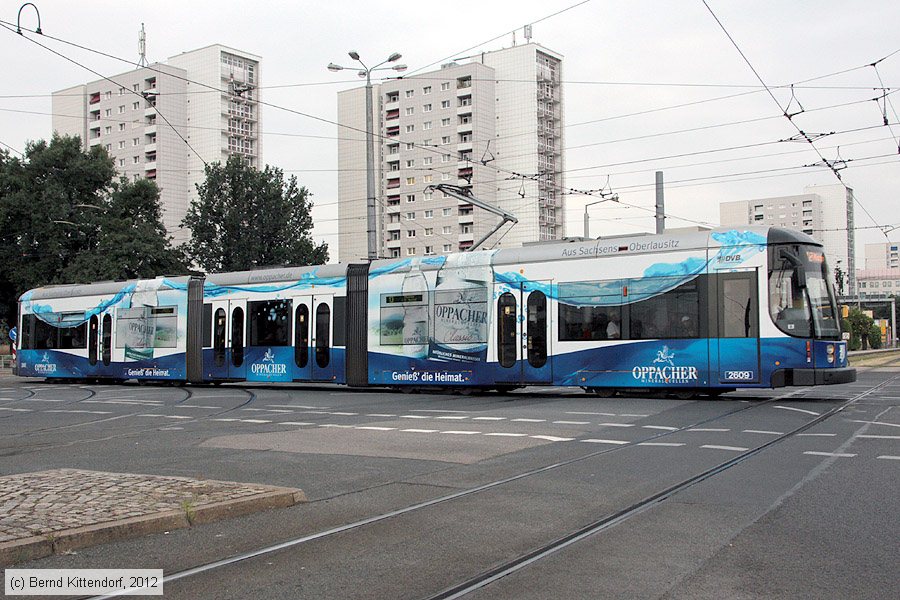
(410, 145)
(410, 128)
(447, 212)
(445, 139)
(121, 126)
(429, 231)
(426, 90)
(410, 233)
(445, 86)
(121, 162)
(394, 252)
(135, 106)
(121, 109)
(410, 93)
(426, 125)
(445, 176)
(107, 112)
(135, 160)
(447, 229)
(121, 91)
(393, 235)
(447, 248)
(428, 178)
(426, 108)
(108, 147)
(445, 158)
(107, 95)
(426, 160)
(410, 181)
(411, 197)
(135, 141)
(429, 250)
(445, 104)
(394, 218)
(409, 110)
(426, 142)
(410, 164)
(107, 129)
(429, 214)
(428, 196)
(410, 251)
(121, 144)
(445, 122)
(410, 216)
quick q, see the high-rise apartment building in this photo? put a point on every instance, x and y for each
(141, 119)
(824, 212)
(882, 257)
(493, 125)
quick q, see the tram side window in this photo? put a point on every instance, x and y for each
(40, 335)
(340, 321)
(673, 314)
(147, 327)
(207, 325)
(590, 311)
(270, 322)
(404, 319)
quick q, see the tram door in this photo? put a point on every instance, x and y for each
(738, 324)
(229, 339)
(321, 359)
(522, 333)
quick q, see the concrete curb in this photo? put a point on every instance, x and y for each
(36, 547)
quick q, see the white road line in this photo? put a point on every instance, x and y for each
(878, 423)
(571, 422)
(489, 418)
(200, 406)
(732, 448)
(419, 430)
(889, 457)
(333, 426)
(597, 414)
(292, 423)
(177, 417)
(345, 414)
(453, 418)
(552, 438)
(615, 424)
(507, 434)
(614, 442)
(834, 454)
(462, 432)
(435, 410)
(663, 427)
(710, 429)
(627, 415)
(373, 428)
(879, 437)
(273, 410)
(414, 417)
(81, 412)
(18, 409)
(530, 420)
(40, 400)
(255, 421)
(120, 402)
(297, 406)
(816, 434)
(220, 420)
(380, 415)
(809, 412)
(672, 444)
(171, 428)
(763, 432)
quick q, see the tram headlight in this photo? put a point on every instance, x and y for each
(830, 350)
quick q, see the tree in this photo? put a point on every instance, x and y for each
(132, 241)
(861, 327)
(64, 220)
(245, 218)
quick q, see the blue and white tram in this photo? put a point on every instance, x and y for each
(686, 313)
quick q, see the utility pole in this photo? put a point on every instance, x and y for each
(660, 204)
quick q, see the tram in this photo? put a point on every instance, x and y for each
(685, 313)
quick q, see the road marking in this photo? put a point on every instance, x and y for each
(462, 432)
(809, 412)
(552, 438)
(571, 422)
(627, 415)
(733, 448)
(220, 420)
(615, 424)
(171, 428)
(292, 423)
(663, 427)
(530, 420)
(453, 418)
(889, 457)
(879, 437)
(414, 417)
(762, 431)
(672, 444)
(296, 406)
(380, 415)
(40, 400)
(507, 434)
(435, 410)
(878, 423)
(489, 419)
(615, 442)
(708, 429)
(420, 430)
(81, 412)
(597, 414)
(834, 454)
(255, 421)
(274, 410)
(345, 414)
(121, 402)
(373, 428)
(333, 426)
(176, 417)
(201, 406)
(816, 434)
(18, 409)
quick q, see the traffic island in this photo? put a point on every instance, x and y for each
(50, 512)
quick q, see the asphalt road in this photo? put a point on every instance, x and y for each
(812, 515)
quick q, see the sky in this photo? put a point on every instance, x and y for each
(636, 75)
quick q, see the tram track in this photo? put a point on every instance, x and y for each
(277, 547)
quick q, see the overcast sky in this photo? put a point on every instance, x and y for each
(621, 58)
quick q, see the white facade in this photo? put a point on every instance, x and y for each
(471, 125)
(878, 282)
(882, 256)
(824, 212)
(141, 120)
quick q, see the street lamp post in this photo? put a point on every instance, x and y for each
(370, 141)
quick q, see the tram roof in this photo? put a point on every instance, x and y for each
(276, 274)
(100, 288)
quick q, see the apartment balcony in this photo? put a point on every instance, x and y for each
(150, 129)
(393, 184)
(464, 146)
(463, 109)
(150, 166)
(392, 104)
(95, 98)
(464, 127)
(150, 148)
(150, 111)
(391, 115)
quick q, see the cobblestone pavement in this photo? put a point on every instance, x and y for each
(41, 503)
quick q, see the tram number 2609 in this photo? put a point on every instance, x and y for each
(739, 375)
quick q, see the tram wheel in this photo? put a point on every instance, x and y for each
(601, 392)
(685, 395)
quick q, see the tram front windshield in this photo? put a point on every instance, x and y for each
(801, 298)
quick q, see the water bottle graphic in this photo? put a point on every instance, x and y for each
(415, 313)
(461, 308)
